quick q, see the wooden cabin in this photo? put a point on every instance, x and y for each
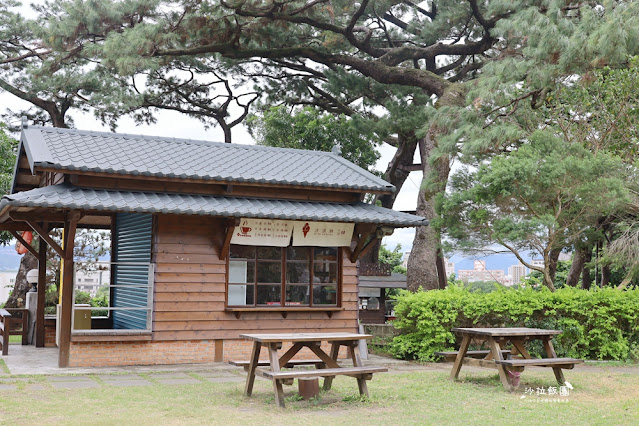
(209, 240)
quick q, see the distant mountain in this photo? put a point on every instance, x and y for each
(9, 259)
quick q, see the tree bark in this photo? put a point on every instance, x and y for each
(552, 266)
(422, 263)
(577, 266)
(396, 175)
(605, 275)
(585, 278)
(18, 297)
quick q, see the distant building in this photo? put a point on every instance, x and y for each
(450, 267)
(405, 261)
(537, 262)
(480, 273)
(91, 281)
(7, 281)
(517, 273)
(562, 258)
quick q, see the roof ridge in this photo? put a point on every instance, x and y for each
(174, 139)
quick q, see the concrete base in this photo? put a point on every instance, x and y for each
(32, 360)
(32, 306)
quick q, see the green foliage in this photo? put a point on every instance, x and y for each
(392, 258)
(596, 324)
(537, 198)
(82, 297)
(311, 129)
(483, 286)
(8, 148)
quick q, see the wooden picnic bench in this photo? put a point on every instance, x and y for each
(451, 355)
(326, 364)
(8, 327)
(518, 357)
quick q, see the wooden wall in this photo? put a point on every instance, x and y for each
(190, 289)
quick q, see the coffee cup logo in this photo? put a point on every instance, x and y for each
(245, 229)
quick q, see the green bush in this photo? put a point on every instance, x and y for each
(596, 324)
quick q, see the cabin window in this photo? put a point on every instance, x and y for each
(288, 276)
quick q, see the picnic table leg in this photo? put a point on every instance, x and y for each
(550, 351)
(519, 345)
(250, 378)
(275, 366)
(357, 362)
(328, 381)
(497, 355)
(460, 357)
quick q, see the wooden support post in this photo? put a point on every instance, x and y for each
(364, 231)
(230, 228)
(67, 289)
(45, 235)
(42, 283)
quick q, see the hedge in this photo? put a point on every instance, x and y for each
(597, 324)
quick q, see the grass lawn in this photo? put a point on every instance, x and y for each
(601, 395)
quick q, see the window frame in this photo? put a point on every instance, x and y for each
(283, 284)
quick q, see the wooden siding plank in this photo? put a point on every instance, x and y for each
(234, 334)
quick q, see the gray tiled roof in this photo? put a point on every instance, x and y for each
(69, 197)
(124, 154)
(394, 280)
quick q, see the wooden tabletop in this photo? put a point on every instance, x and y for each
(305, 337)
(507, 332)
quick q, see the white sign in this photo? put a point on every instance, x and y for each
(323, 234)
(263, 232)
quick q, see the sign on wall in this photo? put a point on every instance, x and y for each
(323, 234)
(263, 232)
(277, 233)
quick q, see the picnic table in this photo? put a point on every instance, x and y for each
(326, 364)
(508, 362)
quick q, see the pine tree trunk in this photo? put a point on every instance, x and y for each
(585, 278)
(396, 175)
(422, 263)
(577, 266)
(552, 267)
(605, 275)
(18, 297)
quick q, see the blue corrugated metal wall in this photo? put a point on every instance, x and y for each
(132, 243)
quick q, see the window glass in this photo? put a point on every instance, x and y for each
(255, 276)
(325, 253)
(241, 252)
(324, 272)
(269, 272)
(298, 272)
(241, 294)
(297, 253)
(273, 253)
(324, 295)
(297, 295)
(270, 295)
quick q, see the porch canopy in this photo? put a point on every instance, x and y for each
(69, 197)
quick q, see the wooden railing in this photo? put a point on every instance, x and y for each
(12, 325)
